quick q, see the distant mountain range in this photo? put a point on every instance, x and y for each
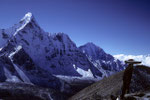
(30, 55)
(144, 58)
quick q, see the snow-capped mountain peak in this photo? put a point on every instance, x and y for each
(27, 16)
(34, 56)
(58, 54)
(6, 34)
(27, 20)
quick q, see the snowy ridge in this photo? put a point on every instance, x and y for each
(25, 20)
(16, 50)
(27, 17)
(7, 34)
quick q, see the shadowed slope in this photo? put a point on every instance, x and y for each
(102, 89)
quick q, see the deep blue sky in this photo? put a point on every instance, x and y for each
(117, 26)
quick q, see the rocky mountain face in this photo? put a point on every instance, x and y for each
(17, 66)
(55, 53)
(30, 55)
(104, 62)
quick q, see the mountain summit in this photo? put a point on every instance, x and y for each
(57, 53)
(27, 17)
(29, 54)
(104, 62)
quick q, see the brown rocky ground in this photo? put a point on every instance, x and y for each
(108, 88)
(134, 82)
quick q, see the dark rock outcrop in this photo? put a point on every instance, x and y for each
(22, 91)
(140, 79)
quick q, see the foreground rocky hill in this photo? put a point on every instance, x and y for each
(112, 87)
(104, 89)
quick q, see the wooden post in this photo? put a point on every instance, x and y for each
(127, 76)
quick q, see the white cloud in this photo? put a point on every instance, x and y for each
(144, 58)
